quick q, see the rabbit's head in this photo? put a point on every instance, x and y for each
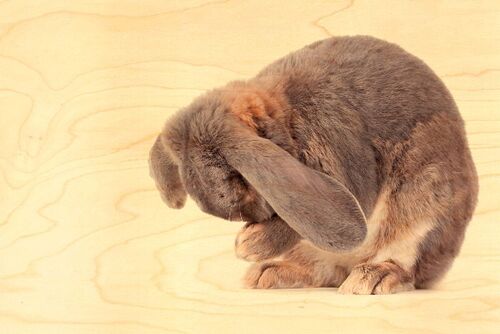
(205, 174)
(226, 150)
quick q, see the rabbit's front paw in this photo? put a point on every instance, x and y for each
(277, 275)
(377, 279)
(255, 243)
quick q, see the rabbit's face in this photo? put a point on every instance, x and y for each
(220, 190)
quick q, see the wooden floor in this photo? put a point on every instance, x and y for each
(86, 244)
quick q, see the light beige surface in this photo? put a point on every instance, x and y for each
(87, 246)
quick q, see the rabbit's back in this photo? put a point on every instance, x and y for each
(389, 89)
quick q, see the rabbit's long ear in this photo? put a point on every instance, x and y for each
(318, 207)
(166, 175)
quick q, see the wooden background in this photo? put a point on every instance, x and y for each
(87, 246)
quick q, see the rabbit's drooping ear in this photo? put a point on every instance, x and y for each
(166, 175)
(314, 204)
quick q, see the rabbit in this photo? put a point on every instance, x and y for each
(346, 159)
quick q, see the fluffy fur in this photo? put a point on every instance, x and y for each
(347, 158)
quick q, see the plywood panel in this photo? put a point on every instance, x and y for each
(87, 246)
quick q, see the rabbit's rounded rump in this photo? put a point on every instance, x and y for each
(347, 158)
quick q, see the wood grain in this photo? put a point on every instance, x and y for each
(87, 246)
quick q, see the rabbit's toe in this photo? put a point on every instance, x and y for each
(392, 284)
(381, 278)
(277, 275)
(253, 243)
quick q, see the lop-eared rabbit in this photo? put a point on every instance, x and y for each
(347, 160)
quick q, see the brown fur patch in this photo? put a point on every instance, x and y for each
(254, 104)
